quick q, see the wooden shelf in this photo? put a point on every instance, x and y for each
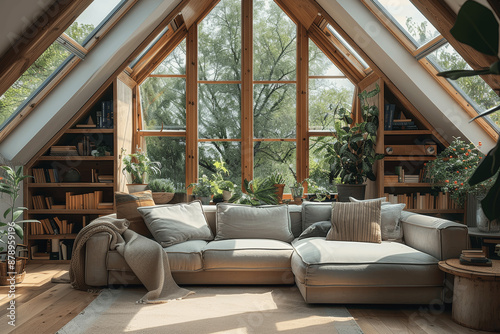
(89, 130)
(436, 210)
(74, 157)
(407, 185)
(71, 185)
(70, 212)
(52, 236)
(49, 261)
(408, 158)
(407, 132)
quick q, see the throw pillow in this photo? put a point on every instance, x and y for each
(235, 221)
(171, 224)
(390, 223)
(356, 222)
(313, 212)
(318, 229)
(126, 207)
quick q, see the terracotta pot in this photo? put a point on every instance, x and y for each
(279, 191)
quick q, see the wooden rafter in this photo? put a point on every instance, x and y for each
(28, 48)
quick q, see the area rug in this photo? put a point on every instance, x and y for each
(212, 309)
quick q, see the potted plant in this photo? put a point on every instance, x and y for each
(278, 181)
(10, 184)
(202, 190)
(137, 168)
(163, 190)
(297, 190)
(257, 192)
(352, 153)
(450, 171)
(220, 186)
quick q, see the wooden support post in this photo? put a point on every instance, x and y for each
(192, 106)
(302, 156)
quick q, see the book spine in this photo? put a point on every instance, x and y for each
(392, 110)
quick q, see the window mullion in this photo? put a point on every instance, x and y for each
(302, 156)
(192, 106)
(72, 46)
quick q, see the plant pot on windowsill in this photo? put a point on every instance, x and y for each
(279, 191)
(162, 197)
(134, 188)
(297, 193)
(351, 190)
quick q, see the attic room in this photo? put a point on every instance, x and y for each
(241, 166)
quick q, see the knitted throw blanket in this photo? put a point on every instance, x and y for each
(145, 257)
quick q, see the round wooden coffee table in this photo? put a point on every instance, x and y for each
(476, 294)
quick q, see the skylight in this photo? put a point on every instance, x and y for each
(348, 47)
(409, 20)
(92, 19)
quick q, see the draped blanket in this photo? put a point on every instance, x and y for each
(146, 258)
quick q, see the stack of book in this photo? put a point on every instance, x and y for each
(45, 175)
(105, 178)
(403, 124)
(63, 151)
(472, 257)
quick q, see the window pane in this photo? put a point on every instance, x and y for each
(163, 103)
(348, 46)
(171, 153)
(319, 64)
(175, 63)
(229, 152)
(274, 111)
(274, 41)
(35, 78)
(409, 20)
(326, 95)
(147, 48)
(474, 89)
(96, 14)
(219, 108)
(219, 50)
(319, 169)
(275, 156)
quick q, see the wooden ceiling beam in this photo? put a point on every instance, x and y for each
(196, 10)
(298, 10)
(37, 38)
(442, 17)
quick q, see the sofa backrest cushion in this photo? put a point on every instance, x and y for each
(313, 212)
(171, 224)
(236, 221)
(356, 222)
(390, 221)
(126, 207)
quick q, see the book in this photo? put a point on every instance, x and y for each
(475, 261)
(389, 110)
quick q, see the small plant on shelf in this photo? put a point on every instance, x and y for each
(220, 185)
(202, 189)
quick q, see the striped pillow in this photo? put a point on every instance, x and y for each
(356, 222)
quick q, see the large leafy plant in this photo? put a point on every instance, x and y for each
(454, 166)
(257, 192)
(477, 27)
(10, 184)
(352, 153)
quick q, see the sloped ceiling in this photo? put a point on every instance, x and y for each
(354, 18)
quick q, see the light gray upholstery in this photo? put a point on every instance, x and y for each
(247, 254)
(325, 272)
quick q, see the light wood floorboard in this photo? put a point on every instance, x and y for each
(45, 307)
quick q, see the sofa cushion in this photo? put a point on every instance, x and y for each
(186, 256)
(355, 222)
(126, 207)
(247, 254)
(171, 224)
(318, 229)
(320, 262)
(253, 222)
(390, 216)
(313, 212)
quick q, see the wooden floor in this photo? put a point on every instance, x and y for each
(45, 307)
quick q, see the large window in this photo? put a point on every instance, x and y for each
(222, 130)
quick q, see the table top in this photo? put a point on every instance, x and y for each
(453, 266)
(474, 231)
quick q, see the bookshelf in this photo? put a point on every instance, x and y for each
(73, 184)
(408, 151)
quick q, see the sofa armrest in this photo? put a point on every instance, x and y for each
(96, 253)
(438, 237)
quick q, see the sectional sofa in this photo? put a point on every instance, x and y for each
(325, 271)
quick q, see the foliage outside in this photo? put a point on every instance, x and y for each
(452, 169)
(10, 184)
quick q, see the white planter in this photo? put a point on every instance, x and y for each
(134, 188)
(226, 195)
